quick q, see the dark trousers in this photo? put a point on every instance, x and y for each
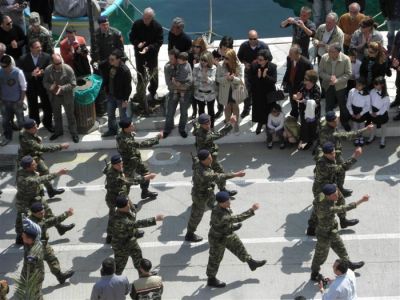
(34, 91)
(151, 63)
(210, 109)
(248, 101)
(334, 98)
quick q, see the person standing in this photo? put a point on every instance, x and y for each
(59, 81)
(247, 55)
(12, 94)
(149, 285)
(321, 8)
(303, 29)
(33, 64)
(110, 286)
(38, 32)
(147, 37)
(326, 206)
(14, 9)
(45, 9)
(349, 23)
(70, 45)
(204, 179)
(222, 236)
(177, 38)
(12, 36)
(391, 11)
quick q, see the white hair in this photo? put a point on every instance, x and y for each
(149, 11)
(3, 47)
(333, 15)
(356, 5)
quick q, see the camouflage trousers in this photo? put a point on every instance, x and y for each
(51, 260)
(313, 220)
(123, 252)
(26, 275)
(24, 209)
(136, 166)
(217, 168)
(198, 209)
(44, 170)
(217, 250)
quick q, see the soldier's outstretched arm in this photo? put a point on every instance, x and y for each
(146, 222)
(352, 134)
(245, 215)
(56, 220)
(150, 142)
(350, 206)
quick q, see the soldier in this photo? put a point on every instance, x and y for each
(118, 184)
(329, 133)
(149, 285)
(124, 227)
(31, 144)
(29, 190)
(205, 138)
(221, 236)
(326, 171)
(38, 32)
(204, 179)
(129, 150)
(326, 206)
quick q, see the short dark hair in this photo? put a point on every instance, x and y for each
(183, 56)
(33, 41)
(117, 53)
(226, 41)
(6, 60)
(108, 266)
(174, 52)
(145, 264)
(342, 265)
(265, 53)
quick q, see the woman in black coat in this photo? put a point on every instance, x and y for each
(263, 77)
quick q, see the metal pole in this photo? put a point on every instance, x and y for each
(91, 22)
(210, 20)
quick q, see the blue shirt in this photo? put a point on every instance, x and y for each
(111, 287)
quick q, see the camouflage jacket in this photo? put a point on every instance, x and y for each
(46, 223)
(31, 144)
(30, 186)
(124, 227)
(222, 220)
(205, 138)
(128, 148)
(44, 37)
(204, 179)
(117, 183)
(326, 210)
(326, 170)
(106, 44)
(33, 260)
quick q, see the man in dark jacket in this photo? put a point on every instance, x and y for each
(147, 37)
(12, 36)
(391, 11)
(177, 38)
(118, 87)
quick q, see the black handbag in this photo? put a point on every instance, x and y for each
(276, 95)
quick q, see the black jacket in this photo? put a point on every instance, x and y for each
(387, 8)
(6, 37)
(182, 42)
(122, 82)
(25, 63)
(377, 70)
(152, 35)
(302, 66)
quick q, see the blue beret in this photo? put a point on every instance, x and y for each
(26, 161)
(31, 228)
(125, 123)
(203, 154)
(204, 119)
(330, 116)
(116, 159)
(328, 147)
(36, 207)
(329, 189)
(102, 19)
(29, 123)
(121, 201)
(222, 197)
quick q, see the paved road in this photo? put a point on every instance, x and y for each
(279, 179)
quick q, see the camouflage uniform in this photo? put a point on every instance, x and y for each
(327, 171)
(30, 190)
(327, 230)
(205, 140)
(204, 179)
(105, 44)
(149, 287)
(44, 37)
(49, 255)
(33, 269)
(117, 184)
(128, 148)
(124, 243)
(221, 236)
(31, 144)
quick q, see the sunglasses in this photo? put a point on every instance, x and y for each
(196, 46)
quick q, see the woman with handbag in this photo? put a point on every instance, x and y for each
(263, 77)
(231, 86)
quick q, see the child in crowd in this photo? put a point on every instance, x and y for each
(183, 75)
(275, 123)
(380, 103)
(355, 69)
(309, 96)
(358, 105)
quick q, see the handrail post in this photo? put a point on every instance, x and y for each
(210, 20)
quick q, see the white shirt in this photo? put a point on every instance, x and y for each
(276, 123)
(356, 99)
(325, 40)
(355, 69)
(35, 59)
(343, 288)
(382, 104)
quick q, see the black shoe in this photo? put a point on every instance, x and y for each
(236, 227)
(147, 194)
(14, 126)
(214, 282)
(369, 141)
(394, 104)
(310, 231)
(50, 128)
(62, 229)
(282, 146)
(64, 276)
(316, 276)
(244, 113)
(54, 192)
(192, 237)
(183, 134)
(165, 134)
(139, 234)
(356, 265)
(193, 116)
(55, 136)
(381, 146)
(18, 240)
(75, 139)
(254, 264)
(108, 239)
(344, 223)
(218, 114)
(397, 117)
(108, 133)
(259, 127)
(346, 192)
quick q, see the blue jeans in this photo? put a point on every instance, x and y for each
(112, 105)
(392, 26)
(8, 110)
(173, 100)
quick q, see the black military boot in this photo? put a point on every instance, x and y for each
(356, 265)
(18, 240)
(61, 228)
(254, 264)
(310, 231)
(346, 192)
(52, 192)
(214, 282)
(344, 223)
(108, 239)
(147, 194)
(192, 237)
(316, 276)
(139, 234)
(64, 276)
